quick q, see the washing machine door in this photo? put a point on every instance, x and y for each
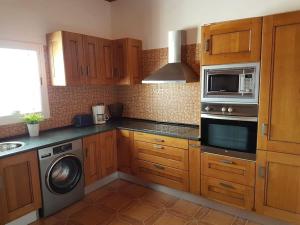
(64, 174)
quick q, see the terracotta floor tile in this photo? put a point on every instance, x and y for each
(159, 199)
(252, 223)
(139, 212)
(171, 219)
(185, 209)
(239, 221)
(117, 221)
(90, 216)
(137, 205)
(96, 196)
(117, 185)
(216, 217)
(115, 201)
(49, 221)
(65, 213)
(135, 191)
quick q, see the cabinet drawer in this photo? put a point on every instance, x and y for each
(161, 154)
(162, 140)
(228, 168)
(177, 179)
(227, 192)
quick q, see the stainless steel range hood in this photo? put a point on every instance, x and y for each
(175, 71)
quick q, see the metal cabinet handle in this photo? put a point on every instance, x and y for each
(158, 140)
(264, 129)
(159, 167)
(226, 185)
(158, 146)
(261, 171)
(227, 161)
(194, 146)
(207, 45)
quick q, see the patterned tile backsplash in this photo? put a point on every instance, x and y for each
(162, 102)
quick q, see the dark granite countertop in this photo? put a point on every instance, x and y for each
(60, 135)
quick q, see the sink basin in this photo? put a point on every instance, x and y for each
(5, 146)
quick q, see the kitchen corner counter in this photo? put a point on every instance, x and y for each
(60, 135)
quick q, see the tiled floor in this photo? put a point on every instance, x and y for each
(124, 203)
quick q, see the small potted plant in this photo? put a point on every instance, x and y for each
(32, 120)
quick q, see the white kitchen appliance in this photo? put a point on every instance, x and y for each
(99, 114)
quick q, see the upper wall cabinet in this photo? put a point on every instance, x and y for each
(231, 42)
(279, 110)
(128, 61)
(77, 59)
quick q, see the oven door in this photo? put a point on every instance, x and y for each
(229, 134)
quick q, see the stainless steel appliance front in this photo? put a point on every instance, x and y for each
(231, 83)
(61, 171)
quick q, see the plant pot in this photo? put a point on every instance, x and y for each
(33, 129)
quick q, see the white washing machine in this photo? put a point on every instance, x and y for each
(62, 177)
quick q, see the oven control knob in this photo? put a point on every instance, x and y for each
(223, 109)
(207, 108)
(230, 110)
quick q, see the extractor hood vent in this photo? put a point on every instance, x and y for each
(175, 71)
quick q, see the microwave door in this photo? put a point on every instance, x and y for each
(219, 84)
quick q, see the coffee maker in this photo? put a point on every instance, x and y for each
(99, 114)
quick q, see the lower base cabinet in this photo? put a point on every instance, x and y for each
(19, 186)
(174, 178)
(100, 156)
(278, 185)
(227, 192)
(125, 150)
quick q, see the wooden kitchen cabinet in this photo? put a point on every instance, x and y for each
(108, 153)
(92, 59)
(100, 156)
(278, 185)
(279, 110)
(127, 61)
(92, 168)
(231, 42)
(19, 186)
(125, 150)
(106, 61)
(74, 59)
(195, 167)
(77, 59)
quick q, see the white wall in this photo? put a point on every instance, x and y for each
(30, 20)
(150, 20)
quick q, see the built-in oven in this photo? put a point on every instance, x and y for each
(229, 128)
(231, 83)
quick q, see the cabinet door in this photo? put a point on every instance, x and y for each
(106, 51)
(120, 61)
(92, 60)
(134, 61)
(108, 150)
(19, 185)
(278, 185)
(92, 170)
(74, 58)
(279, 110)
(195, 166)
(125, 150)
(231, 42)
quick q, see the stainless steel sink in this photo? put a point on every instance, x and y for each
(6, 146)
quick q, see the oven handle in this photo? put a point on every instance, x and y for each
(236, 118)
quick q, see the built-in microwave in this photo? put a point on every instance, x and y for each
(231, 83)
